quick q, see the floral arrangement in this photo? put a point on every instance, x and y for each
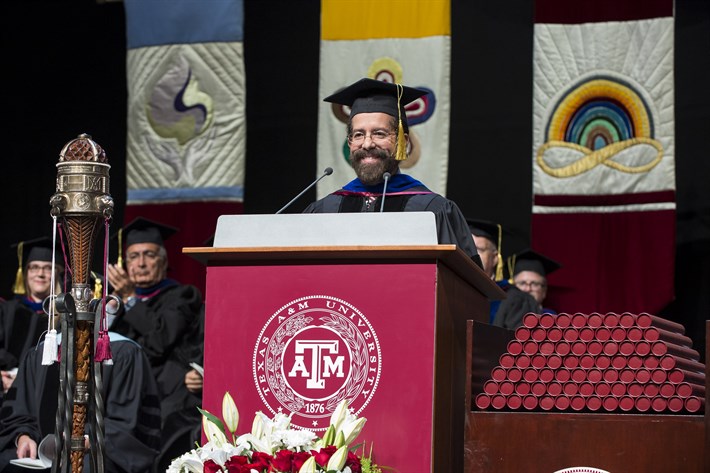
(273, 446)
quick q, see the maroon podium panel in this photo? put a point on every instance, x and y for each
(299, 338)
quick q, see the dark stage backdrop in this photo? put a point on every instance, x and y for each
(64, 74)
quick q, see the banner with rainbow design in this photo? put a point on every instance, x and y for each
(393, 41)
(603, 157)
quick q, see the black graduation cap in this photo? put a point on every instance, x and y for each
(489, 230)
(371, 96)
(142, 230)
(530, 260)
(37, 249)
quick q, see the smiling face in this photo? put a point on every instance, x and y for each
(374, 155)
(39, 279)
(146, 264)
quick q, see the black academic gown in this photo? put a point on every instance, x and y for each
(516, 304)
(451, 225)
(20, 330)
(131, 417)
(168, 327)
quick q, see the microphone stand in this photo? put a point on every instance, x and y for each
(327, 172)
(386, 177)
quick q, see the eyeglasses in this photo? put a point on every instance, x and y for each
(530, 284)
(148, 254)
(378, 136)
(37, 268)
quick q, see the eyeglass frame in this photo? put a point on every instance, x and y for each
(383, 136)
(530, 284)
(36, 268)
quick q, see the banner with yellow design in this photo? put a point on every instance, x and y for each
(393, 41)
(603, 158)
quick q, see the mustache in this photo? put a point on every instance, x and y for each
(364, 153)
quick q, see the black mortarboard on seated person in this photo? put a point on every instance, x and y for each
(483, 228)
(372, 96)
(492, 232)
(530, 260)
(37, 249)
(143, 230)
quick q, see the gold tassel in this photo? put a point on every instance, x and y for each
(401, 154)
(98, 287)
(511, 268)
(119, 261)
(499, 266)
(19, 287)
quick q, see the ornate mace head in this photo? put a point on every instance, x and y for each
(82, 203)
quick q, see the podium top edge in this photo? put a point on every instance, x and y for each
(450, 255)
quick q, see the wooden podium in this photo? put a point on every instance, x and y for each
(296, 329)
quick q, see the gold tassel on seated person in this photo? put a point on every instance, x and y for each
(499, 265)
(511, 268)
(19, 286)
(98, 286)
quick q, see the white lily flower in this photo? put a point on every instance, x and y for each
(309, 466)
(212, 432)
(230, 413)
(337, 461)
(189, 462)
(257, 444)
(339, 414)
(257, 426)
(352, 429)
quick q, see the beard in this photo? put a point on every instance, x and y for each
(371, 173)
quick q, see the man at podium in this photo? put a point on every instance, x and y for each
(378, 138)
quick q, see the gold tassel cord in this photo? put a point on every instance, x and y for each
(511, 268)
(119, 261)
(499, 266)
(98, 286)
(401, 154)
(19, 287)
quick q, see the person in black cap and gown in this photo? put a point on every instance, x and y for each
(488, 237)
(131, 412)
(22, 320)
(529, 288)
(377, 134)
(164, 317)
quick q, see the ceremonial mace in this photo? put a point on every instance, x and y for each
(82, 206)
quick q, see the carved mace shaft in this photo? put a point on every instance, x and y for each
(81, 204)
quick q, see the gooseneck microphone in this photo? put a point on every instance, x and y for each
(327, 172)
(386, 176)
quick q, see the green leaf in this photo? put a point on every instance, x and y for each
(212, 418)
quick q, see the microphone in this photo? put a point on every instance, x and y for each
(386, 176)
(327, 172)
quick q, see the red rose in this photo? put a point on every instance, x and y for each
(260, 460)
(353, 462)
(282, 460)
(324, 455)
(298, 459)
(211, 467)
(234, 464)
